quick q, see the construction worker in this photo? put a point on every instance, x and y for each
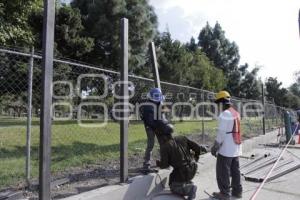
(297, 124)
(152, 116)
(176, 152)
(227, 149)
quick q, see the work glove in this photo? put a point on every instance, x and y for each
(203, 149)
(215, 148)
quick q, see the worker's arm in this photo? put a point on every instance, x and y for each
(196, 148)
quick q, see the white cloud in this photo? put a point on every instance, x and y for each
(265, 30)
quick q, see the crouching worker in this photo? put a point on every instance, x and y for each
(182, 154)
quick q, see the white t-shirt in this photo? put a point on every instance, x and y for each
(224, 136)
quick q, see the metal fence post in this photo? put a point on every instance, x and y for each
(124, 122)
(154, 65)
(45, 118)
(202, 120)
(264, 109)
(29, 113)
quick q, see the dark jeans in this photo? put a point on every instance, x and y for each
(226, 167)
(150, 145)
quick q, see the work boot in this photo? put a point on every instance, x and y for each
(220, 196)
(237, 195)
(146, 165)
(193, 192)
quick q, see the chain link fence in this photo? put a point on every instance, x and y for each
(85, 128)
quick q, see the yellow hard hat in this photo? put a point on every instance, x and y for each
(222, 95)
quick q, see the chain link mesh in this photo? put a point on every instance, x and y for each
(85, 128)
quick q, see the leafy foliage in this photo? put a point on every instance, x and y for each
(89, 30)
(280, 95)
(14, 27)
(186, 64)
(69, 39)
(101, 19)
(295, 87)
(225, 56)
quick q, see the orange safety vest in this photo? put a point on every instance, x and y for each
(236, 131)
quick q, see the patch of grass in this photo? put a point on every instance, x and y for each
(72, 146)
(75, 146)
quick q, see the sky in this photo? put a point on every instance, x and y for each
(266, 31)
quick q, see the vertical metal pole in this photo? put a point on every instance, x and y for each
(29, 113)
(47, 78)
(203, 129)
(264, 110)
(299, 22)
(154, 64)
(124, 101)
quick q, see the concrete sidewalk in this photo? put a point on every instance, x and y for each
(155, 187)
(285, 187)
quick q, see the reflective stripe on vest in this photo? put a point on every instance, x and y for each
(236, 130)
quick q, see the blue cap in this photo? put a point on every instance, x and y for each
(155, 95)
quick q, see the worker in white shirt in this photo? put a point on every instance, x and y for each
(227, 149)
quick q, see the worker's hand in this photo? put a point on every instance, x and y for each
(215, 148)
(203, 149)
(213, 151)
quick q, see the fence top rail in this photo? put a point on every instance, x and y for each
(63, 61)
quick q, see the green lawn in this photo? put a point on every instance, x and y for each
(75, 146)
(72, 145)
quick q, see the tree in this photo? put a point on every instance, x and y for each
(101, 19)
(192, 45)
(14, 27)
(184, 65)
(291, 100)
(295, 87)
(173, 59)
(203, 74)
(70, 41)
(218, 48)
(223, 53)
(250, 87)
(274, 91)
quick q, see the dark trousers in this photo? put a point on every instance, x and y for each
(226, 167)
(150, 145)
